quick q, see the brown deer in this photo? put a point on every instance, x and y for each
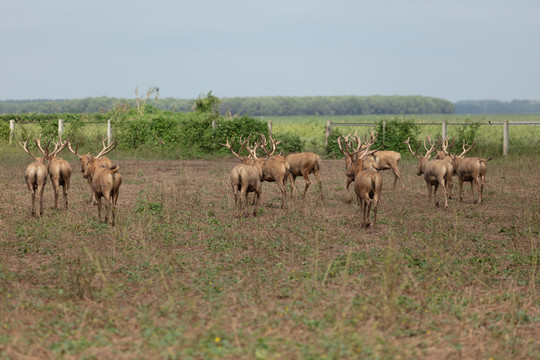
(351, 162)
(303, 164)
(388, 160)
(105, 183)
(103, 161)
(471, 170)
(36, 178)
(436, 172)
(444, 154)
(58, 168)
(367, 183)
(246, 179)
(272, 168)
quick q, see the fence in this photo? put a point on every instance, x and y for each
(329, 125)
(60, 130)
(444, 129)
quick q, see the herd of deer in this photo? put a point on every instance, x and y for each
(362, 167)
(103, 177)
(361, 162)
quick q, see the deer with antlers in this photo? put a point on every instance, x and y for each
(58, 168)
(103, 161)
(367, 182)
(436, 172)
(471, 170)
(301, 164)
(271, 168)
(246, 179)
(387, 160)
(36, 178)
(351, 162)
(444, 154)
(105, 183)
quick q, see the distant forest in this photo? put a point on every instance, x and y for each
(286, 106)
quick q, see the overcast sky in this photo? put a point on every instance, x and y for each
(455, 50)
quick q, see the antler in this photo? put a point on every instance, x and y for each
(415, 153)
(25, 148)
(227, 145)
(466, 150)
(58, 147)
(76, 149)
(38, 143)
(265, 143)
(106, 148)
(433, 146)
(445, 147)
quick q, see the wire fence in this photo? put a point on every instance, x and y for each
(523, 134)
(508, 136)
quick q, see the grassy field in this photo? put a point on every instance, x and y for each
(524, 139)
(181, 277)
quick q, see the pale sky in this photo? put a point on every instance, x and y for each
(455, 50)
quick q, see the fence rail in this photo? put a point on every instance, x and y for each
(329, 125)
(61, 129)
(444, 128)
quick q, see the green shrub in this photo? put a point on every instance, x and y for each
(290, 143)
(395, 133)
(332, 149)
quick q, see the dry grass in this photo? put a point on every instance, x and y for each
(181, 277)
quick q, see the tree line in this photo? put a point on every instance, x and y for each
(254, 106)
(283, 106)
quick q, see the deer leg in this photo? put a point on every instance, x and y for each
(349, 181)
(40, 194)
(308, 183)
(397, 176)
(429, 190)
(244, 194)
(367, 209)
(33, 196)
(442, 181)
(375, 206)
(436, 186)
(317, 174)
(292, 180)
(98, 199)
(460, 189)
(283, 192)
(473, 181)
(65, 191)
(56, 190)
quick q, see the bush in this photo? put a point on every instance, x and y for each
(395, 133)
(289, 144)
(332, 149)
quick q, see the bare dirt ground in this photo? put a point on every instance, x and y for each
(182, 276)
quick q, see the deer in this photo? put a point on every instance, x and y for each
(436, 172)
(59, 169)
(351, 162)
(36, 179)
(388, 160)
(471, 170)
(105, 182)
(273, 168)
(301, 164)
(103, 161)
(444, 154)
(367, 182)
(246, 179)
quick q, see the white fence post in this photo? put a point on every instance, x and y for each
(270, 128)
(506, 137)
(11, 130)
(383, 130)
(60, 128)
(109, 132)
(328, 132)
(444, 131)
